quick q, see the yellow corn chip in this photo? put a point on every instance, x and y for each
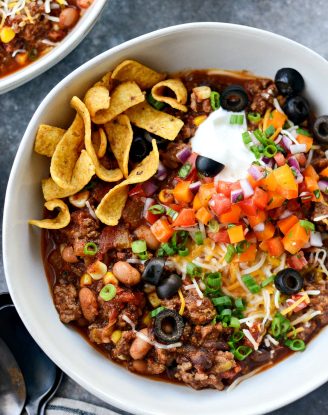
(104, 174)
(120, 135)
(159, 123)
(130, 70)
(47, 139)
(83, 172)
(110, 208)
(106, 81)
(63, 218)
(124, 96)
(99, 141)
(97, 99)
(159, 92)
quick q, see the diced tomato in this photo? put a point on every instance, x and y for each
(269, 182)
(236, 234)
(293, 205)
(267, 233)
(182, 192)
(285, 224)
(280, 159)
(137, 191)
(219, 204)
(304, 139)
(301, 158)
(295, 238)
(176, 207)
(285, 179)
(251, 237)
(275, 200)
(185, 218)
(162, 230)
(226, 187)
(260, 217)
(261, 198)
(150, 217)
(275, 246)
(197, 204)
(277, 119)
(203, 215)
(205, 193)
(297, 261)
(232, 216)
(249, 255)
(309, 171)
(248, 207)
(264, 246)
(220, 236)
(324, 172)
(192, 159)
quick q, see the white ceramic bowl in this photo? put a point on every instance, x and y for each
(199, 45)
(82, 28)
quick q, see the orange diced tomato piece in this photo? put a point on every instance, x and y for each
(295, 238)
(269, 182)
(261, 198)
(248, 255)
(182, 192)
(219, 204)
(267, 233)
(324, 172)
(232, 216)
(236, 234)
(275, 246)
(204, 215)
(185, 218)
(259, 218)
(205, 193)
(264, 246)
(280, 159)
(162, 230)
(311, 183)
(309, 171)
(285, 224)
(287, 185)
(275, 200)
(277, 119)
(196, 204)
(304, 139)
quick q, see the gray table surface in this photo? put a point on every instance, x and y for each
(301, 20)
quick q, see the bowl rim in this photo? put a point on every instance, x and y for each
(70, 42)
(307, 385)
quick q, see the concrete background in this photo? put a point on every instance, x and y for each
(301, 20)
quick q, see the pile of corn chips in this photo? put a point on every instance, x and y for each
(103, 122)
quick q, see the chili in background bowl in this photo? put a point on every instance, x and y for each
(190, 46)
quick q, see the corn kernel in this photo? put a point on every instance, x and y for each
(21, 58)
(198, 120)
(85, 280)
(154, 300)
(7, 34)
(116, 336)
(147, 319)
(109, 278)
(165, 196)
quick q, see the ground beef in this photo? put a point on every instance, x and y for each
(121, 349)
(189, 128)
(319, 161)
(66, 302)
(100, 190)
(132, 214)
(198, 314)
(262, 92)
(320, 302)
(209, 337)
(168, 156)
(320, 209)
(114, 237)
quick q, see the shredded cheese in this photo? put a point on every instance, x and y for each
(267, 307)
(255, 267)
(200, 294)
(183, 303)
(295, 331)
(306, 317)
(251, 339)
(242, 378)
(293, 306)
(272, 340)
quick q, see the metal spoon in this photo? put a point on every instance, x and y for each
(12, 385)
(42, 377)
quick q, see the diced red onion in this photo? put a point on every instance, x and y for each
(278, 139)
(315, 239)
(256, 172)
(149, 188)
(183, 154)
(298, 175)
(161, 172)
(293, 162)
(285, 214)
(286, 142)
(246, 188)
(237, 195)
(194, 187)
(268, 161)
(323, 185)
(297, 148)
(148, 203)
(259, 227)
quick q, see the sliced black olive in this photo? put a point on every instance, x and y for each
(320, 129)
(161, 142)
(168, 326)
(153, 271)
(140, 148)
(234, 98)
(297, 109)
(289, 81)
(169, 286)
(289, 281)
(208, 167)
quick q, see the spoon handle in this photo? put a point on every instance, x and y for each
(32, 408)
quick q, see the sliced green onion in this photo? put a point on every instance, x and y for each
(199, 238)
(280, 325)
(254, 117)
(242, 246)
(154, 103)
(213, 280)
(234, 322)
(108, 292)
(303, 132)
(139, 246)
(317, 193)
(143, 256)
(192, 269)
(246, 137)
(226, 312)
(261, 137)
(168, 249)
(90, 248)
(242, 352)
(185, 170)
(156, 311)
(267, 281)
(230, 253)
(233, 119)
(213, 225)
(255, 150)
(240, 119)
(269, 131)
(236, 119)
(160, 252)
(183, 252)
(270, 151)
(239, 304)
(215, 100)
(251, 284)
(172, 213)
(157, 209)
(307, 225)
(222, 301)
(297, 345)
(237, 336)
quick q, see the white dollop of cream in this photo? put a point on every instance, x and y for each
(221, 141)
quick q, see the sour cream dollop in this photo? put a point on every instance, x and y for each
(221, 141)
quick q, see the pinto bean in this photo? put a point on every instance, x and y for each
(88, 303)
(68, 18)
(144, 232)
(68, 255)
(139, 348)
(126, 273)
(140, 366)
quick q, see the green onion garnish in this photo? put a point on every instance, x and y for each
(108, 292)
(297, 345)
(157, 209)
(239, 304)
(303, 132)
(279, 326)
(222, 301)
(90, 248)
(234, 322)
(269, 131)
(172, 213)
(143, 256)
(226, 312)
(215, 100)
(254, 117)
(261, 137)
(168, 249)
(199, 238)
(213, 225)
(154, 103)
(230, 253)
(157, 310)
(185, 170)
(237, 336)
(233, 119)
(267, 281)
(242, 246)
(192, 269)
(236, 119)
(242, 352)
(270, 151)
(139, 246)
(256, 151)
(307, 225)
(183, 252)
(246, 137)
(317, 193)
(251, 284)
(212, 281)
